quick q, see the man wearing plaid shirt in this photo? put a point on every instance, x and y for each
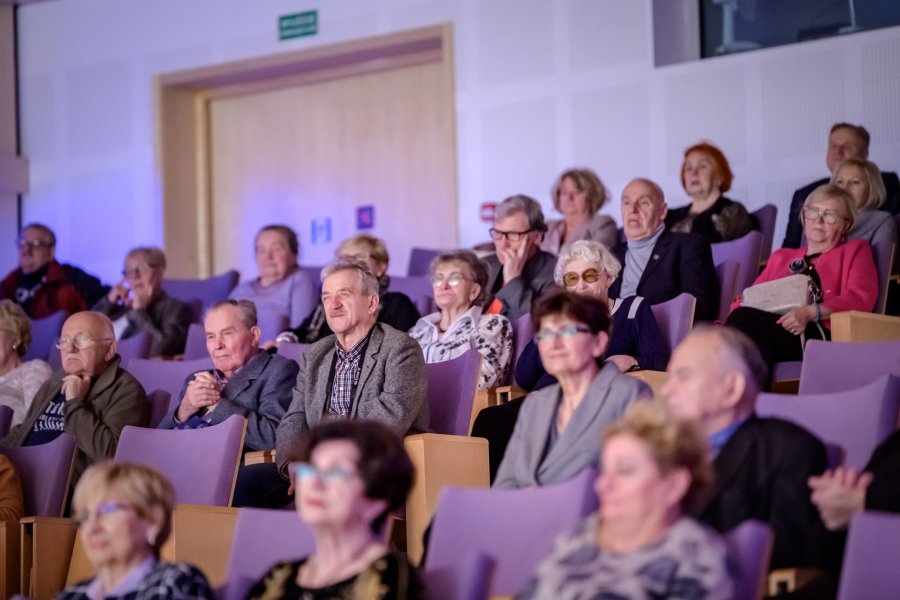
(366, 370)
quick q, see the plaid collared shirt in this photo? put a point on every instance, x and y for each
(346, 377)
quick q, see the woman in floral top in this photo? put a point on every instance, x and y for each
(460, 280)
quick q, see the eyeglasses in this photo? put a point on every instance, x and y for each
(102, 510)
(361, 257)
(23, 244)
(79, 341)
(304, 470)
(511, 236)
(572, 278)
(453, 279)
(135, 272)
(546, 335)
(828, 216)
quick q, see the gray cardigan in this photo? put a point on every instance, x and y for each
(392, 389)
(526, 463)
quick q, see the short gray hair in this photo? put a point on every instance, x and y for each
(524, 204)
(590, 251)
(246, 307)
(154, 257)
(477, 270)
(741, 348)
(368, 284)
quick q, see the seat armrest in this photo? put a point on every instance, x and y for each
(259, 456)
(655, 379)
(857, 326)
(45, 548)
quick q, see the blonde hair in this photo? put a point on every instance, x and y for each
(877, 191)
(585, 181)
(673, 444)
(829, 190)
(142, 488)
(12, 315)
(377, 249)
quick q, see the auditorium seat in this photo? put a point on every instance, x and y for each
(870, 558)
(838, 366)
(43, 333)
(751, 548)
(675, 318)
(746, 251)
(168, 375)
(202, 293)
(727, 272)
(767, 215)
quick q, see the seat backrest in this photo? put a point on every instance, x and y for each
(201, 463)
(857, 420)
(292, 350)
(516, 528)
(420, 259)
(451, 392)
(767, 215)
(159, 406)
(884, 261)
(839, 366)
(168, 375)
(270, 325)
(726, 273)
(262, 538)
(746, 251)
(195, 346)
(675, 318)
(418, 288)
(207, 291)
(45, 472)
(6, 415)
(136, 346)
(750, 544)
(870, 557)
(43, 333)
(467, 579)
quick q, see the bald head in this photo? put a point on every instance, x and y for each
(87, 343)
(714, 377)
(643, 208)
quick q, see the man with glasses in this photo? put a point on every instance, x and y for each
(519, 272)
(659, 264)
(41, 285)
(92, 398)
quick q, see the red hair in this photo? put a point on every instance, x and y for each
(719, 163)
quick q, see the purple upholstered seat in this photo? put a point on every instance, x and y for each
(167, 375)
(45, 472)
(195, 346)
(767, 215)
(420, 259)
(6, 415)
(870, 558)
(751, 547)
(292, 350)
(261, 539)
(43, 333)
(516, 528)
(206, 291)
(201, 463)
(839, 366)
(857, 420)
(469, 578)
(523, 332)
(884, 260)
(675, 318)
(746, 251)
(159, 406)
(451, 391)
(726, 273)
(418, 288)
(270, 325)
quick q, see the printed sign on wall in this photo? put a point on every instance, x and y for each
(487, 211)
(365, 217)
(320, 231)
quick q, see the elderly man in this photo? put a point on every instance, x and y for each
(92, 397)
(42, 286)
(844, 141)
(245, 380)
(761, 464)
(660, 264)
(520, 272)
(366, 370)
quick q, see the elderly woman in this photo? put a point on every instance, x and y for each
(635, 342)
(394, 309)
(862, 180)
(138, 303)
(19, 380)
(459, 280)
(842, 271)
(352, 476)
(706, 176)
(578, 194)
(640, 544)
(556, 433)
(282, 288)
(124, 512)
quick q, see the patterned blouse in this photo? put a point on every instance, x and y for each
(689, 563)
(165, 581)
(390, 577)
(490, 335)
(18, 387)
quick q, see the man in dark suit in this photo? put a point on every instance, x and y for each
(245, 380)
(659, 264)
(366, 370)
(844, 141)
(761, 464)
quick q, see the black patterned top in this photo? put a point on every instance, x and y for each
(390, 577)
(165, 581)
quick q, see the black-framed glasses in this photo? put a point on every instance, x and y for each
(511, 236)
(79, 341)
(830, 217)
(546, 334)
(571, 278)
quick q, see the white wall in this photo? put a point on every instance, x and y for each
(541, 85)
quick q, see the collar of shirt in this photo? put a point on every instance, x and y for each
(718, 440)
(129, 583)
(354, 352)
(435, 318)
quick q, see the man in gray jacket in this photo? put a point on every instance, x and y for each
(366, 370)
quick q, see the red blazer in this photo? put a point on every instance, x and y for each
(848, 274)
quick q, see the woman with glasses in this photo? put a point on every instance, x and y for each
(842, 271)
(579, 195)
(556, 432)
(352, 476)
(124, 512)
(138, 303)
(459, 280)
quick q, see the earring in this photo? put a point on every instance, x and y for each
(151, 538)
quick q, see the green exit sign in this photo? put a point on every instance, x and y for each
(298, 25)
